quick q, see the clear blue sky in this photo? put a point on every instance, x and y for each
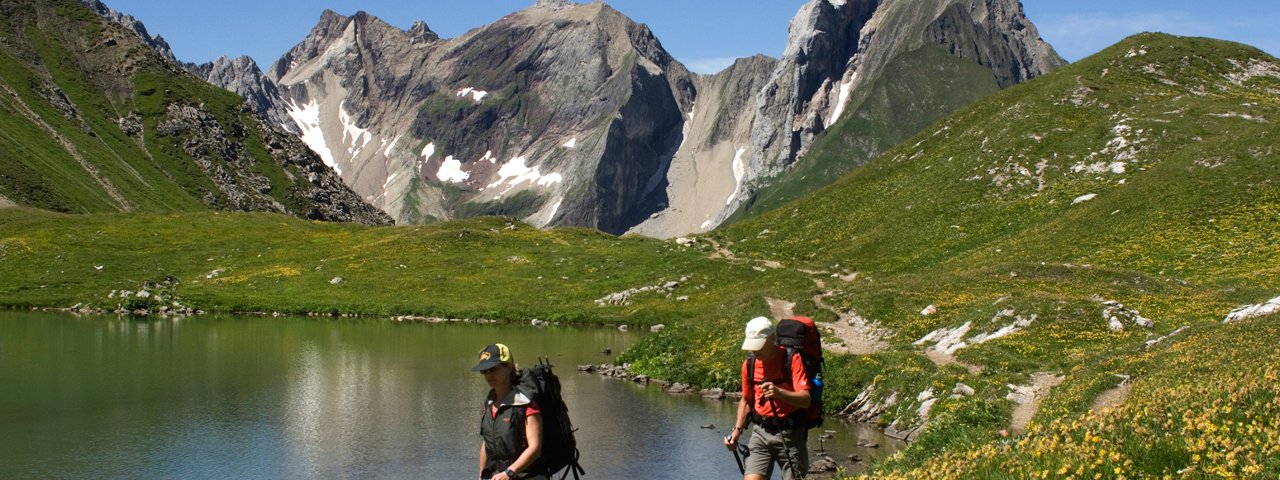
(703, 34)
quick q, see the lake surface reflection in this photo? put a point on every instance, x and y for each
(235, 397)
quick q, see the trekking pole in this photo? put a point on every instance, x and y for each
(783, 435)
(741, 468)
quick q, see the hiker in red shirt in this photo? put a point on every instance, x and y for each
(769, 397)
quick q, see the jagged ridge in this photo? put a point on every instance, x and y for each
(96, 120)
(572, 114)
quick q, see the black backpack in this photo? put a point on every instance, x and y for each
(800, 335)
(559, 448)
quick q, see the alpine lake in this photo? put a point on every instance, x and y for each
(260, 397)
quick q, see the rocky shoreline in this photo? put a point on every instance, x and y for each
(623, 372)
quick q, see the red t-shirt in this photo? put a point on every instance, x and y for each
(771, 371)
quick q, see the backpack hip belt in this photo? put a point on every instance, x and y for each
(773, 424)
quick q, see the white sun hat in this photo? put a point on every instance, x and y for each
(758, 330)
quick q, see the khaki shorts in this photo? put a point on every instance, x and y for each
(787, 448)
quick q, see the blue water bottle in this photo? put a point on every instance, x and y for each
(815, 388)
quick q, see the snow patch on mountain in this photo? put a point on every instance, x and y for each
(555, 209)
(515, 172)
(476, 94)
(572, 143)
(307, 117)
(451, 171)
(845, 87)
(392, 147)
(544, 217)
(739, 173)
(688, 124)
(354, 136)
(390, 178)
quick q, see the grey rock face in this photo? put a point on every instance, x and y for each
(562, 114)
(997, 35)
(324, 194)
(572, 114)
(226, 162)
(838, 49)
(821, 43)
(420, 33)
(740, 84)
(243, 77)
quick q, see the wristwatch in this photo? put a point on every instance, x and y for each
(510, 473)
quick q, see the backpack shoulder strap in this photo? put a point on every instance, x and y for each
(786, 362)
(518, 416)
(751, 370)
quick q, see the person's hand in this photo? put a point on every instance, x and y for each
(500, 476)
(731, 441)
(768, 390)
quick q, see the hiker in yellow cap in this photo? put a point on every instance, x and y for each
(511, 426)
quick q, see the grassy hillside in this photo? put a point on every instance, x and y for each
(1142, 176)
(1177, 151)
(93, 120)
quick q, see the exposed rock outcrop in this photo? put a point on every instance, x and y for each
(560, 114)
(997, 35)
(137, 133)
(242, 76)
(838, 51)
(1270, 307)
(157, 43)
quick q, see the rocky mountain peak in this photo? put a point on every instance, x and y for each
(840, 59)
(838, 47)
(998, 35)
(569, 113)
(554, 4)
(328, 20)
(242, 76)
(156, 43)
(346, 40)
(823, 41)
(421, 33)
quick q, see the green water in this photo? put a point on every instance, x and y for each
(228, 397)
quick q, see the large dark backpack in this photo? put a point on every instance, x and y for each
(800, 335)
(559, 448)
